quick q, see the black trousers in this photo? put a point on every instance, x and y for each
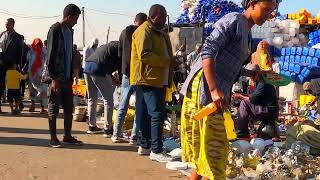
(23, 87)
(63, 97)
(2, 80)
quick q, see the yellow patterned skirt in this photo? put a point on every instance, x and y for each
(204, 143)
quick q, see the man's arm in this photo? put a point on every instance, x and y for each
(19, 51)
(121, 42)
(52, 45)
(189, 59)
(225, 30)
(237, 96)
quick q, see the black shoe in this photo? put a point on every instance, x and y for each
(21, 107)
(108, 133)
(55, 143)
(71, 140)
(32, 108)
(18, 111)
(14, 112)
(94, 130)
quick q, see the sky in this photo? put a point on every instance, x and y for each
(97, 22)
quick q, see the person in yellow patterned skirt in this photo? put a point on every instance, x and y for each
(204, 143)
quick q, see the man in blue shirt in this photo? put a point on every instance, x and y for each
(58, 74)
(67, 34)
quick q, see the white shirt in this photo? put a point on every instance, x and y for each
(87, 53)
(3, 40)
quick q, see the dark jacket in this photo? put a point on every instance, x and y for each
(125, 42)
(265, 95)
(12, 51)
(107, 59)
(56, 56)
(76, 59)
(24, 61)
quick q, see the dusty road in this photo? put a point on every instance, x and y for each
(25, 155)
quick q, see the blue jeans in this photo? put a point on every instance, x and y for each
(150, 108)
(126, 92)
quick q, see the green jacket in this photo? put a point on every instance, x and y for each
(148, 60)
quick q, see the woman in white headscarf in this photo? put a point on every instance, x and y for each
(90, 49)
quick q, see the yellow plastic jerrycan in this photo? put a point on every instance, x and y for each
(229, 125)
(228, 121)
(206, 111)
(265, 63)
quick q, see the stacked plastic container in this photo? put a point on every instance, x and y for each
(314, 38)
(280, 33)
(184, 18)
(209, 11)
(300, 63)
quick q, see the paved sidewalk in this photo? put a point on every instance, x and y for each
(24, 154)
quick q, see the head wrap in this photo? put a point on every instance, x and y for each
(37, 46)
(245, 3)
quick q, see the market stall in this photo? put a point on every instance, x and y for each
(295, 55)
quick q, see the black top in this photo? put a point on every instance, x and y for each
(24, 61)
(55, 65)
(106, 56)
(265, 95)
(12, 51)
(125, 42)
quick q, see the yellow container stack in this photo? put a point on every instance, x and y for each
(306, 99)
(304, 17)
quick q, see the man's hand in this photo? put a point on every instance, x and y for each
(239, 96)
(219, 99)
(115, 80)
(236, 96)
(55, 85)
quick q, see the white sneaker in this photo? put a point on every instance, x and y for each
(116, 139)
(160, 157)
(132, 142)
(143, 152)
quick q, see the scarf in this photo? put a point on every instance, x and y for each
(37, 46)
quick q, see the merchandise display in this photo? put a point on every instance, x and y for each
(301, 64)
(304, 17)
(205, 11)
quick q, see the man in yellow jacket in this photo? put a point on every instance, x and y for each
(150, 73)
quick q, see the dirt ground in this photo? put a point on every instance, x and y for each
(24, 154)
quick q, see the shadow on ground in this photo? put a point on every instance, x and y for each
(45, 143)
(33, 131)
(35, 114)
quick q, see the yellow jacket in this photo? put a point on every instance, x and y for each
(148, 60)
(13, 79)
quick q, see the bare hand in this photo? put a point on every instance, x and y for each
(219, 99)
(236, 96)
(55, 85)
(116, 80)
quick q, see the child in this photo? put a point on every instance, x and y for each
(13, 78)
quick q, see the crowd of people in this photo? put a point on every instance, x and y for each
(141, 62)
